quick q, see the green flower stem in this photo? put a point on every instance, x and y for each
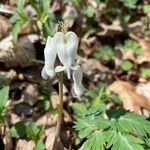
(60, 109)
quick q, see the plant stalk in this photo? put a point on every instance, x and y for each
(60, 110)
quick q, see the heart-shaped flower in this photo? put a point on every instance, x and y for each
(64, 45)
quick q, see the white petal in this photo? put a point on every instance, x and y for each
(44, 74)
(59, 68)
(61, 46)
(50, 56)
(77, 88)
(72, 46)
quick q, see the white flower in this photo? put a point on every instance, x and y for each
(77, 88)
(65, 46)
(50, 56)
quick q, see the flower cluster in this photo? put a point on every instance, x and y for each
(63, 45)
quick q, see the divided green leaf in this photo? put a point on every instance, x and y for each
(104, 53)
(130, 3)
(126, 65)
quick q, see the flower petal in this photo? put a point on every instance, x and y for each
(59, 68)
(44, 74)
(61, 46)
(50, 56)
(72, 46)
(77, 88)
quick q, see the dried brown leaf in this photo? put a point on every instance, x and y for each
(130, 98)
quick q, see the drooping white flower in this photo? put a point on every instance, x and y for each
(65, 46)
(50, 56)
(77, 88)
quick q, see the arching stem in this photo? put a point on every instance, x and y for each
(60, 110)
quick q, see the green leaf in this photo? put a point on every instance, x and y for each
(126, 65)
(39, 145)
(119, 141)
(33, 131)
(89, 12)
(4, 93)
(145, 71)
(2, 81)
(84, 126)
(114, 98)
(146, 8)
(131, 45)
(95, 141)
(91, 93)
(44, 5)
(129, 122)
(18, 130)
(79, 108)
(101, 123)
(130, 3)
(16, 30)
(104, 53)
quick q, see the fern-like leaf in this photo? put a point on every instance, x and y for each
(118, 141)
(95, 142)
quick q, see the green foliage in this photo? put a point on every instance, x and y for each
(79, 108)
(30, 130)
(2, 81)
(145, 71)
(45, 98)
(119, 141)
(18, 19)
(18, 130)
(88, 11)
(42, 9)
(126, 65)
(33, 132)
(40, 145)
(104, 53)
(146, 8)
(4, 93)
(96, 141)
(121, 129)
(130, 3)
(131, 45)
(100, 93)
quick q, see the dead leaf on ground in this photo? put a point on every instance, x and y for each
(47, 119)
(4, 26)
(130, 98)
(50, 137)
(145, 57)
(25, 145)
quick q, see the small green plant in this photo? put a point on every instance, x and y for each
(146, 8)
(21, 18)
(115, 129)
(145, 71)
(29, 130)
(104, 53)
(130, 3)
(4, 93)
(126, 65)
(131, 45)
(45, 98)
(101, 91)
